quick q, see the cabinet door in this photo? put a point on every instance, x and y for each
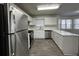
(39, 34)
(55, 38)
(29, 18)
(75, 45)
(58, 39)
(70, 45)
(52, 35)
(50, 20)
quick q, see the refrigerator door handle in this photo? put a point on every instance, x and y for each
(13, 44)
(12, 35)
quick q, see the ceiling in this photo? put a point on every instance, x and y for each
(66, 9)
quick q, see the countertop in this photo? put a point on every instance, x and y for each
(61, 32)
(65, 33)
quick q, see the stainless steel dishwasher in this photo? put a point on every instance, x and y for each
(47, 34)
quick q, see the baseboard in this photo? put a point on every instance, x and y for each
(48, 38)
(70, 55)
(41, 38)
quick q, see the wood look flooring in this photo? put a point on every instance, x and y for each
(44, 47)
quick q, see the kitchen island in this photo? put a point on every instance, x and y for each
(66, 41)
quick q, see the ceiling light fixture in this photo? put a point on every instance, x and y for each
(48, 7)
(77, 11)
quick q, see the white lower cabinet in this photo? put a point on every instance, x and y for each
(67, 44)
(39, 34)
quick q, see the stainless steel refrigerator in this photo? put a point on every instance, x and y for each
(18, 32)
(13, 31)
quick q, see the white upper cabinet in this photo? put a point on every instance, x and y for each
(51, 20)
(48, 20)
(36, 20)
(29, 18)
(32, 22)
(39, 18)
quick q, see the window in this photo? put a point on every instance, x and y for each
(76, 24)
(63, 26)
(66, 24)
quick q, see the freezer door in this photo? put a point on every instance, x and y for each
(21, 24)
(20, 20)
